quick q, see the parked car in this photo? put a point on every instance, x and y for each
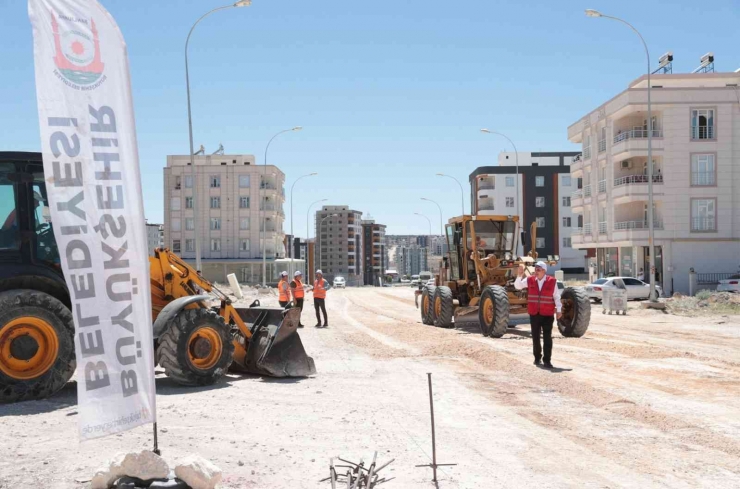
(339, 282)
(415, 281)
(636, 289)
(731, 284)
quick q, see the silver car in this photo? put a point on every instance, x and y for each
(636, 289)
(731, 284)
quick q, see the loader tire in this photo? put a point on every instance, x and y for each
(427, 303)
(37, 350)
(196, 347)
(576, 313)
(443, 307)
(493, 313)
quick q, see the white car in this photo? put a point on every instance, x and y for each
(339, 282)
(731, 284)
(636, 289)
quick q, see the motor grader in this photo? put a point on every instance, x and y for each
(195, 342)
(476, 279)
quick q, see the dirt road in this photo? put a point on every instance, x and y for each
(647, 400)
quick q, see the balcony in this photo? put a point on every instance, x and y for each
(483, 185)
(586, 153)
(625, 225)
(587, 229)
(587, 191)
(635, 230)
(602, 227)
(634, 187)
(636, 179)
(578, 194)
(703, 225)
(635, 140)
(702, 179)
(576, 163)
(602, 145)
(702, 132)
(602, 186)
(485, 207)
(576, 232)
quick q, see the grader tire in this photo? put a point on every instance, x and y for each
(576, 313)
(427, 301)
(37, 350)
(443, 307)
(196, 347)
(493, 313)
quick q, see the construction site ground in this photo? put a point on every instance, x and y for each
(643, 400)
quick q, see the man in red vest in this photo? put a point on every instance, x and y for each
(543, 298)
(320, 286)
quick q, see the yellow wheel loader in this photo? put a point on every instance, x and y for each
(476, 279)
(195, 342)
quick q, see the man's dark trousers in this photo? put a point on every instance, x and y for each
(283, 303)
(320, 304)
(542, 324)
(299, 305)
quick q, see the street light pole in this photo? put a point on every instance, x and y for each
(290, 249)
(516, 159)
(240, 3)
(321, 224)
(651, 227)
(262, 220)
(308, 234)
(440, 214)
(462, 193)
(430, 225)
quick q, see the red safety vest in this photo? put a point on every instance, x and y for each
(283, 290)
(541, 301)
(319, 292)
(298, 289)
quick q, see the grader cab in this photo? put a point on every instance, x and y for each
(476, 279)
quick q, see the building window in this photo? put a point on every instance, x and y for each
(509, 201)
(188, 202)
(215, 223)
(510, 181)
(178, 183)
(244, 202)
(189, 245)
(566, 181)
(539, 202)
(540, 243)
(215, 181)
(540, 222)
(243, 181)
(215, 244)
(244, 245)
(539, 181)
(566, 222)
(189, 224)
(702, 170)
(244, 224)
(188, 181)
(175, 224)
(566, 201)
(702, 124)
(176, 246)
(703, 217)
(215, 202)
(567, 243)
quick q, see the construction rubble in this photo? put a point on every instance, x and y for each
(147, 470)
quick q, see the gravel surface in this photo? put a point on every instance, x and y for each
(643, 400)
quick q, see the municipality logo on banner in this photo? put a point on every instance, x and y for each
(91, 166)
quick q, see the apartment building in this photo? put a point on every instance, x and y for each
(695, 128)
(545, 192)
(411, 260)
(339, 243)
(154, 237)
(374, 257)
(231, 192)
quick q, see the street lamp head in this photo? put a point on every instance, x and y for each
(424, 198)
(592, 13)
(297, 128)
(440, 174)
(486, 131)
(313, 174)
(243, 3)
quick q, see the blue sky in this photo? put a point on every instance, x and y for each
(389, 92)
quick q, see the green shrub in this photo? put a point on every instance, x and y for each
(703, 295)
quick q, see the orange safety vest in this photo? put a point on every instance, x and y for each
(283, 291)
(319, 291)
(541, 301)
(298, 289)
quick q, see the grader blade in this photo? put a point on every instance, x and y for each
(275, 349)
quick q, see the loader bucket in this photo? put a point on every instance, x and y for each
(275, 348)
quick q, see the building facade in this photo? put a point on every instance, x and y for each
(154, 237)
(339, 243)
(231, 192)
(411, 260)
(373, 251)
(545, 193)
(695, 128)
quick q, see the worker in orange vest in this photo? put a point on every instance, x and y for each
(543, 305)
(320, 286)
(296, 287)
(283, 290)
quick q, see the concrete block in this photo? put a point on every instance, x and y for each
(198, 472)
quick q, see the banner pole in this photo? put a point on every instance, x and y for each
(156, 445)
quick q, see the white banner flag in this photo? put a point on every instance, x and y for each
(91, 167)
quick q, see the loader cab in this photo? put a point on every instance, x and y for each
(494, 235)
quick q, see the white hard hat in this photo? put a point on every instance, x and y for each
(542, 265)
(319, 272)
(284, 273)
(297, 273)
